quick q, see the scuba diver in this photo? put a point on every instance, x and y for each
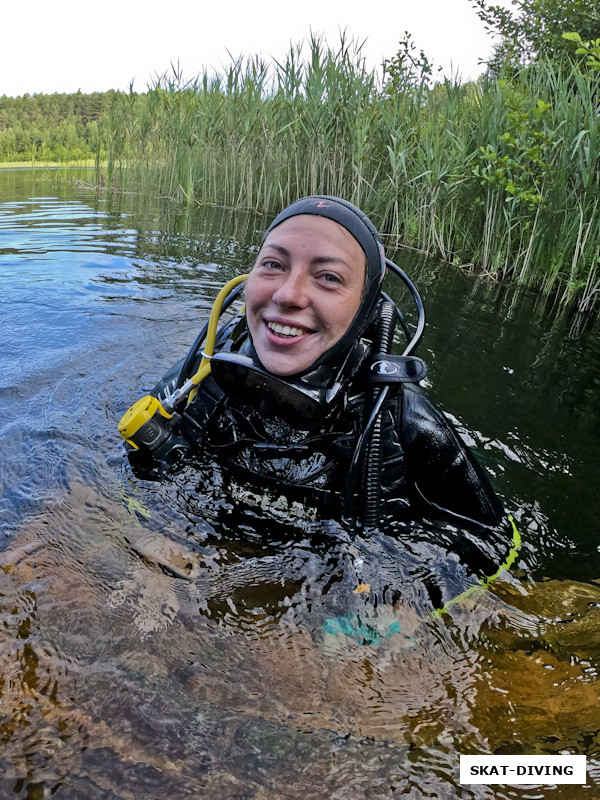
(299, 399)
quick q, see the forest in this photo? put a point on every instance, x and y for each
(54, 127)
(501, 175)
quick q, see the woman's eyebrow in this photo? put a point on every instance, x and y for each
(329, 260)
(317, 260)
(279, 248)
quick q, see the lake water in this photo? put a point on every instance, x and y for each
(155, 644)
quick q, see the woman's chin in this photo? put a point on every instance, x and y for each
(284, 364)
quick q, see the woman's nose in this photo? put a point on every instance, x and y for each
(293, 289)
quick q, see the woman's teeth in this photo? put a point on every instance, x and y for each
(284, 330)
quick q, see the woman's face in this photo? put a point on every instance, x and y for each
(303, 292)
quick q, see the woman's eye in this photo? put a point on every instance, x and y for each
(272, 264)
(329, 277)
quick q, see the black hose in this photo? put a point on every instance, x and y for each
(373, 460)
(418, 302)
(372, 469)
(357, 458)
(399, 317)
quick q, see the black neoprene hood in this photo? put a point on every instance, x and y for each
(362, 229)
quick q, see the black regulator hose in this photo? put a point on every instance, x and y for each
(400, 317)
(373, 460)
(384, 340)
(368, 452)
(416, 337)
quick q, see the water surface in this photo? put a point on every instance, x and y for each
(156, 643)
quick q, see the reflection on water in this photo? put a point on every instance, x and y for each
(157, 643)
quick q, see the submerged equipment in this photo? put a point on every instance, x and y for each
(485, 583)
(367, 627)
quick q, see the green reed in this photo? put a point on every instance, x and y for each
(500, 176)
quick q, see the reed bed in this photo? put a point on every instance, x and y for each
(501, 176)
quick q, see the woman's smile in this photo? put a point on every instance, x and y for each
(285, 330)
(303, 292)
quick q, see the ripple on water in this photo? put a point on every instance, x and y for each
(156, 644)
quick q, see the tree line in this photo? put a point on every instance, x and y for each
(52, 127)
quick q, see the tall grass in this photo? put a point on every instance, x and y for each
(501, 176)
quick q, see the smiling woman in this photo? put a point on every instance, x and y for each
(303, 292)
(305, 411)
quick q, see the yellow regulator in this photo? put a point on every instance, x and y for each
(146, 423)
(149, 424)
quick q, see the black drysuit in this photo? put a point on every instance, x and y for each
(426, 469)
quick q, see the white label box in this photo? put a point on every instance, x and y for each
(523, 769)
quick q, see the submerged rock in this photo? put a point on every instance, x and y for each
(538, 690)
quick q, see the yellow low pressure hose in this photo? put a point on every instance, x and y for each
(211, 333)
(148, 409)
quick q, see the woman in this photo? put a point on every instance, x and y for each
(305, 410)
